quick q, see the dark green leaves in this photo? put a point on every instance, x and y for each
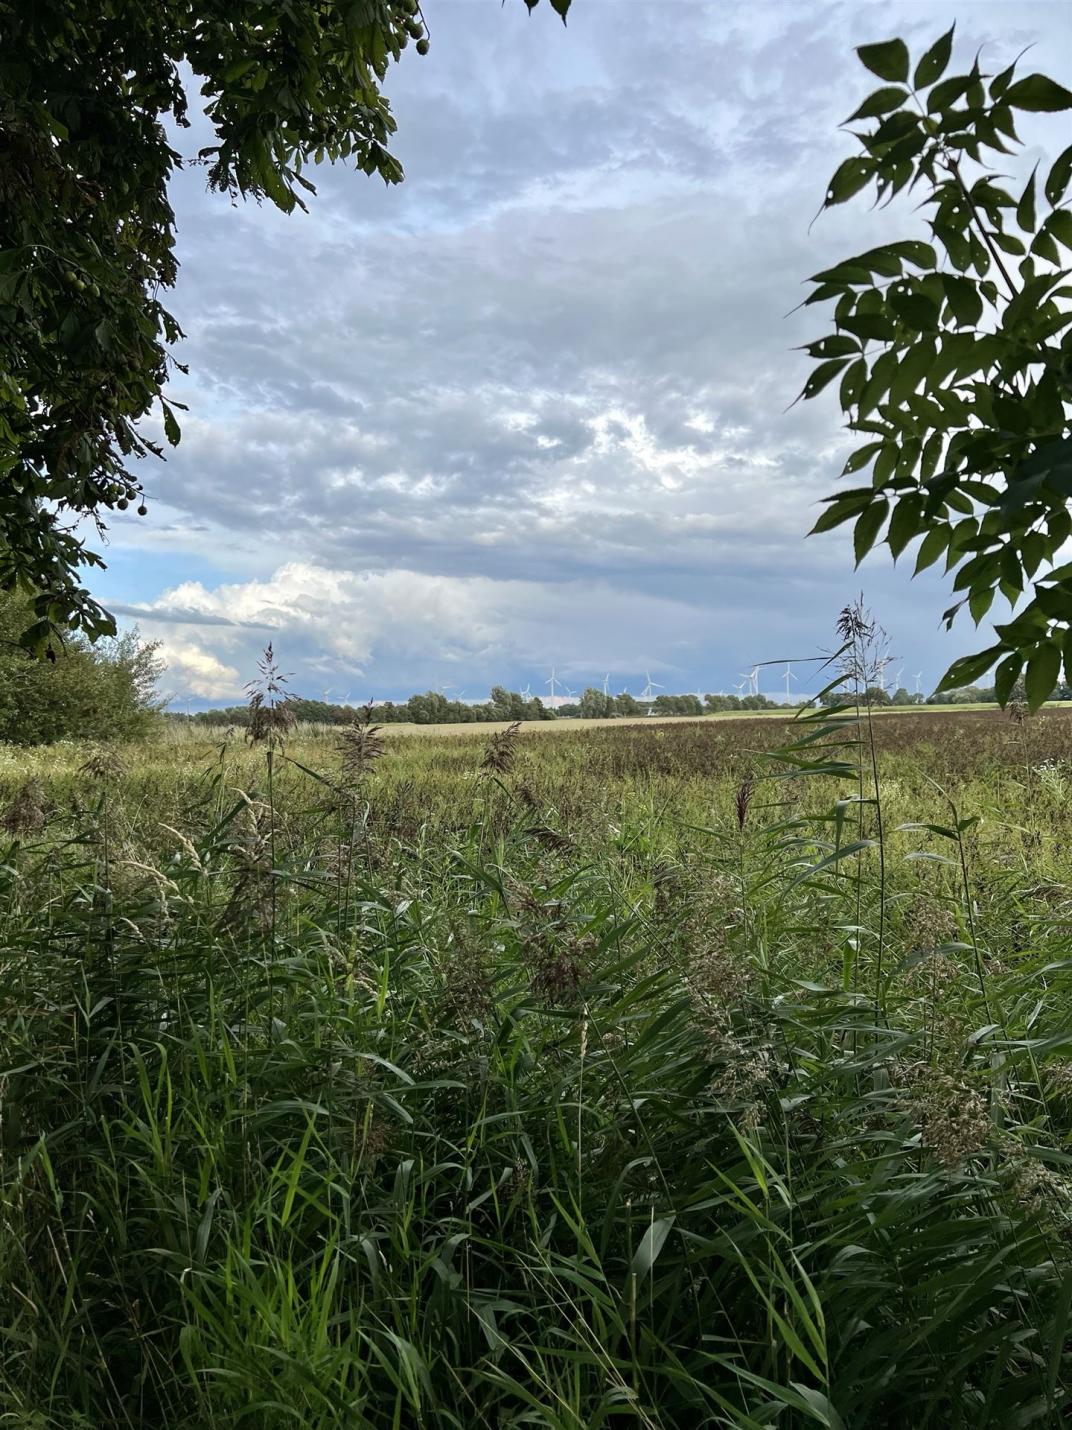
(1043, 672)
(1025, 209)
(1060, 174)
(888, 60)
(823, 375)
(171, 426)
(881, 102)
(1038, 93)
(962, 294)
(867, 528)
(933, 64)
(913, 308)
(1006, 676)
(963, 379)
(969, 668)
(849, 179)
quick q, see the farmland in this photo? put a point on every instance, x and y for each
(668, 1074)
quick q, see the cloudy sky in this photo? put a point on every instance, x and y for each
(530, 408)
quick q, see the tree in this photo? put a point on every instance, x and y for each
(901, 696)
(594, 705)
(101, 692)
(954, 357)
(87, 233)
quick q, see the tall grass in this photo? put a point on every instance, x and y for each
(609, 1078)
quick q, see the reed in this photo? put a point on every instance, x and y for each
(633, 1075)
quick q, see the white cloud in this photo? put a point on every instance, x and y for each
(192, 670)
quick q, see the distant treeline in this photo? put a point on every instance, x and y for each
(433, 708)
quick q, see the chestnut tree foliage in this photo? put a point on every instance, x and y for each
(87, 233)
(953, 357)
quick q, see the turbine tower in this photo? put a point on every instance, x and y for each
(551, 683)
(788, 677)
(919, 677)
(648, 693)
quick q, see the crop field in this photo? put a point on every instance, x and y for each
(664, 1074)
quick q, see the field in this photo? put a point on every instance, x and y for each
(665, 1074)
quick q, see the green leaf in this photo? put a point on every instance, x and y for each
(979, 602)
(171, 426)
(962, 294)
(1059, 224)
(968, 669)
(932, 547)
(860, 458)
(868, 527)
(906, 522)
(852, 384)
(1057, 179)
(1006, 676)
(888, 60)
(932, 66)
(837, 345)
(1040, 94)
(870, 325)
(1043, 671)
(651, 1243)
(1025, 209)
(821, 377)
(914, 309)
(849, 178)
(916, 251)
(842, 508)
(943, 96)
(883, 100)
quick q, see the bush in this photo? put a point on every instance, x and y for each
(106, 691)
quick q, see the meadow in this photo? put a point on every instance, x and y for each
(665, 1074)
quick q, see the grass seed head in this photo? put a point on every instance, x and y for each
(27, 812)
(501, 750)
(360, 745)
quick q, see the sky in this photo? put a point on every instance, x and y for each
(532, 407)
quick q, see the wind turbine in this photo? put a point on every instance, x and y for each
(526, 693)
(606, 682)
(648, 693)
(919, 676)
(551, 683)
(788, 677)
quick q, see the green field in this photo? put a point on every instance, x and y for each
(669, 1074)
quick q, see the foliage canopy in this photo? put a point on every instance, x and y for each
(954, 357)
(106, 691)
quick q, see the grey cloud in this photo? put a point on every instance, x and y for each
(560, 353)
(183, 616)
